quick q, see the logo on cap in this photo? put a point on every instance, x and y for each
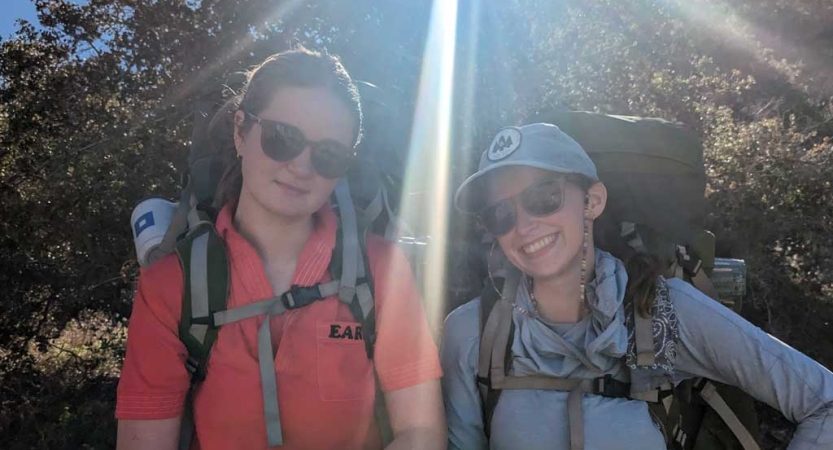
(504, 144)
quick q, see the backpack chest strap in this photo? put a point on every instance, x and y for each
(577, 387)
(295, 298)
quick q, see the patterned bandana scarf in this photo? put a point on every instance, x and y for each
(664, 327)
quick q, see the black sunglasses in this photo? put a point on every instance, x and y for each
(283, 142)
(541, 199)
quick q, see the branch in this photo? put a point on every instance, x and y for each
(121, 277)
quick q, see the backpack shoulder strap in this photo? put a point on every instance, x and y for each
(491, 341)
(205, 268)
(709, 392)
(350, 264)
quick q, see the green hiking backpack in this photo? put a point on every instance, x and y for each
(654, 173)
(361, 204)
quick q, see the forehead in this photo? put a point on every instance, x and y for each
(316, 111)
(510, 181)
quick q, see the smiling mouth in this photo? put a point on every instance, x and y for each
(539, 245)
(291, 188)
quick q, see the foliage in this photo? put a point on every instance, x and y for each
(95, 108)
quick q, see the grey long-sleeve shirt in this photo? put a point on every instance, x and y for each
(713, 342)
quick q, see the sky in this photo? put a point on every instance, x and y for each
(11, 10)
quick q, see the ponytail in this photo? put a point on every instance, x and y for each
(221, 135)
(643, 270)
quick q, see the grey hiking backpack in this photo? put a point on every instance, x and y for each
(361, 202)
(654, 173)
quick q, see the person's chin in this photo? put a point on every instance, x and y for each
(284, 208)
(547, 267)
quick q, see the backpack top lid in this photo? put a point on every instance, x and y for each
(652, 168)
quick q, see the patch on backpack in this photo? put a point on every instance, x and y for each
(144, 222)
(504, 144)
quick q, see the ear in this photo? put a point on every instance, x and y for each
(239, 118)
(596, 200)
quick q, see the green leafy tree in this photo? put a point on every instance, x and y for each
(95, 114)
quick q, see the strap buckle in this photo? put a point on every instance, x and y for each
(689, 262)
(370, 344)
(192, 365)
(205, 320)
(299, 296)
(607, 386)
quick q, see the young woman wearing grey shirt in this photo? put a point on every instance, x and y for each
(537, 191)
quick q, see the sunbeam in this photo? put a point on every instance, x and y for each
(198, 78)
(721, 21)
(428, 168)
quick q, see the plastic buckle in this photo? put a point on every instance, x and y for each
(607, 386)
(689, 262)
(370, 345)
(192, 365)
(601, 385)
(206, 320)
(298, 297)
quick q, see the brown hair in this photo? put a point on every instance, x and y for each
(643, 268)
(298, 68)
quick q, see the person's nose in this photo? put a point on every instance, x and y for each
(301, 166)
(525, 223)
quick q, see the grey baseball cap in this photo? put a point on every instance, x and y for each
(540, 145)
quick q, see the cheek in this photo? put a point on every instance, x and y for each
(572, 225)
(505, 243)
(324, 187)
(258, 168)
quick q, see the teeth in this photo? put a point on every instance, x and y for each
(539, 244)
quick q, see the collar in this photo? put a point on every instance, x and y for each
(313, 260)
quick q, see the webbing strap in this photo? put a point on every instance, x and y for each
(380, 410)
(202, 257)
(178, 225)
(262, 307)
(702, 282)
(350, 252)
(576, 418)
(545, 383)
(266, 359)
(497, 371)
(179, 222)
(649, 396)
(631, 235)
(193, 218)
(365, 299)
(268, 379)
(374, 208)
(244, 312)
(487, 340)
(395, 224)
(199, 285)
(712, 397)
(186, 428)
(644, 337)
(576, 387)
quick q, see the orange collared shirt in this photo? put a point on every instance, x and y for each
(325, 380)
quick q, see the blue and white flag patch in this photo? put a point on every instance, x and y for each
(144, 222)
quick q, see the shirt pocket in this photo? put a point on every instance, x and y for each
(344, 371)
